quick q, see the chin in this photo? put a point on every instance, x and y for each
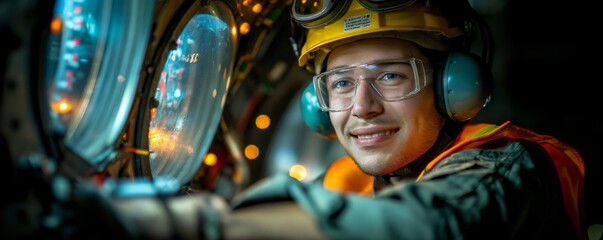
(373, 169)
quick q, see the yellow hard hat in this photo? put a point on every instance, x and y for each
(418, 22)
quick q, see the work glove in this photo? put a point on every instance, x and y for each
(144, 209)
(191, 216)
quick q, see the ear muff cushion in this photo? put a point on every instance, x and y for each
(316, 119)
(464, 87)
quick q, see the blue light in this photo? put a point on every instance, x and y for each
(177, 93)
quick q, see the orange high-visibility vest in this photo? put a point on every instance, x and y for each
(345, 176)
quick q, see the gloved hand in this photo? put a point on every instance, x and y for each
(144, 209)
(88, 213)
(192, 216)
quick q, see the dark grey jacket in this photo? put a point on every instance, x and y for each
(510, 192)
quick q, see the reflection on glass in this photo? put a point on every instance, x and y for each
(94, 58)
(76, 30)
(191, 91)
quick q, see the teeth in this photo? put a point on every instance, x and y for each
(376, 134)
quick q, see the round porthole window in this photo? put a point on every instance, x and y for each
(191, 92)
(91, 73)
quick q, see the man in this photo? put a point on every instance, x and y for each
(399, 91)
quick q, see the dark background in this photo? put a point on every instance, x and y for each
(546, 71)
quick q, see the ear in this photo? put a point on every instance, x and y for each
(315, 118)
(463, 86)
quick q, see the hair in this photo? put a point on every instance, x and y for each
(435, 57)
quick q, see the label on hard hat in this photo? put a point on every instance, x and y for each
(357, 22)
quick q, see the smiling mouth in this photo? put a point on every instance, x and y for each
(378, 134)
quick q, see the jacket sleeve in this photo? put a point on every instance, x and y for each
(494, 193)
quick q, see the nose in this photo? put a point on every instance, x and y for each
(366, 104)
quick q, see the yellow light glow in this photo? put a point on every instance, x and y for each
(262, 121)
(315, 4)
(214, 93)
(161, 141)
(137, 151)
(244, 28)
(56, 25)
(257, 8)
(210, 159)
(252, 152)
(298, 172)
(237, 176)
(167, 142)
(233, 31)
(246, 2)
(61, 107)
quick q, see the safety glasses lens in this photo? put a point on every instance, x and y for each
(390, 80)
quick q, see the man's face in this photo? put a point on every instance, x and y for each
(384, 136)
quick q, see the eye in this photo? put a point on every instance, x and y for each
(391, 79)
(341, 84)
(391, 76)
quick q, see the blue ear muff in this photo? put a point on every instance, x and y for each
(315, 118)
(464, 86)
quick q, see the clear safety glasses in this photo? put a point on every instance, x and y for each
(317, 13)
(392, 80)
